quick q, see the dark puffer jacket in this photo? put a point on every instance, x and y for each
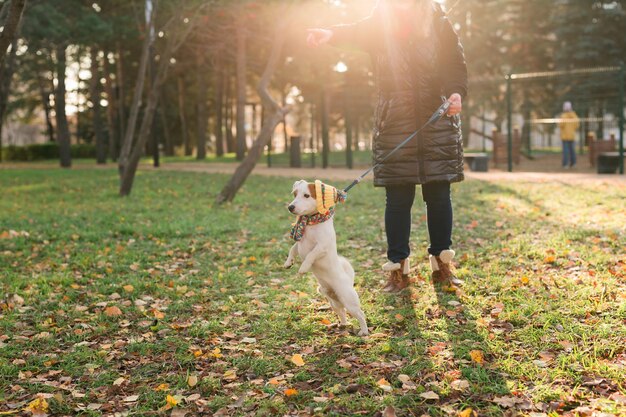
(412, 76)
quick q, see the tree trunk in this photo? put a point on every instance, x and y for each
(241, 91)
(127, 143)
(6, 75)
(95, 88)
(325, 134)
(11, 26)
(45, 102)
(219, 106)
(63, 131)
(121, 99)
(202, 118)
(169, 146)
(182, 116)
(153, 101)
(111, 112)
(230, 140)
(245, 168)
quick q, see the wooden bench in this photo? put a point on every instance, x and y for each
(477, 161)
(608, 162)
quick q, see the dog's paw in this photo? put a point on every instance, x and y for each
(288, 263)
(364, 332)
(304, 268)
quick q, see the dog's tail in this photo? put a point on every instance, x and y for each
(345, 264)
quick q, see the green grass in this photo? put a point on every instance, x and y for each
(544, 301)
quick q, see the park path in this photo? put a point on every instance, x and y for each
(345, 174)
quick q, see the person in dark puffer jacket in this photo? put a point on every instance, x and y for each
(419, 62)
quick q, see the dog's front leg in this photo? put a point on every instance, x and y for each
(292, 254)
(317, 252)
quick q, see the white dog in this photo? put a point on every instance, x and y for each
(317, 246)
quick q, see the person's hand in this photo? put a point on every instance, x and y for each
(318, 37)
(456, 104)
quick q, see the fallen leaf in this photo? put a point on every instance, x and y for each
(162, 387)
(119, 381)
(460, 385)
(384, 385)
(248, 340)
(170, 402)
(38, 407)
(131, 398)
(230, 375)
(179, 412)
(291, 391)
(297, 359)
(112, 311)
(321, 399)
(389, 411)
(429, 395)
(192, 380)
(128, 288)
(468, 412)
(477, 356)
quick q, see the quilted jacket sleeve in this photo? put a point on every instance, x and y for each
(453, 66)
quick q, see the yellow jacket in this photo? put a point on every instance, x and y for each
(569, 125)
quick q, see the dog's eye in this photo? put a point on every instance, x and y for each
(307, 196)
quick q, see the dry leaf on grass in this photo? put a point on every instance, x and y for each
(384, 385)
(297, 359)
(429, 395)
(291, 391)
(477, 357)
(112, 311)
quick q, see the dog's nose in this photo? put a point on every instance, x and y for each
(291, 208)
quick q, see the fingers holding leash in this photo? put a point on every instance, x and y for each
(456, 104)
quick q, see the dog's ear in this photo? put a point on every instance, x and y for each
(312, 190)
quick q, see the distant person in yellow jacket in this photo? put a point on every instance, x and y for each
(569, 125)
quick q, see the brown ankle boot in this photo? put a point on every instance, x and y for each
(443, 269)
(398, 278)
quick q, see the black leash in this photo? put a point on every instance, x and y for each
(437, 115)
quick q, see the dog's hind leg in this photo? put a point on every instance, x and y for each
(339, 310)
(352, 304)
(334, 303)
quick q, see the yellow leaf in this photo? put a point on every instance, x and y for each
(297, 359)
(162, 387)
(524, 280)
(198, 353)
(112, 311)
(468, 412)
(171, 402)
(230, 375)
(216, 353)
(477, 356)
(39, 406)
(192, 380)
(291, 391)
(128, 288)
(549, 259)
(325, 322)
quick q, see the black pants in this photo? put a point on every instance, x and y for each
(400, 198)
